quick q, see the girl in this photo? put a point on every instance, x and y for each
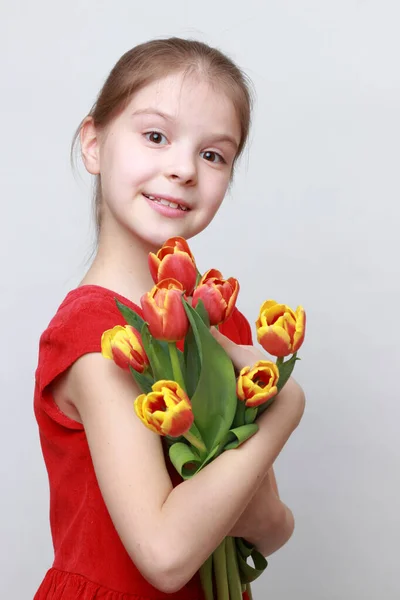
(162, 141)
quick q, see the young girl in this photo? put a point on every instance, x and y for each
(162, 141)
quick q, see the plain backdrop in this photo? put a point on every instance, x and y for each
(313, 218)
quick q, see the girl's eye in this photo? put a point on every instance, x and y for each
(156, 137)
(213, 157)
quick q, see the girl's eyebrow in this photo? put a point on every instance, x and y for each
(154, 111)
(225, 138)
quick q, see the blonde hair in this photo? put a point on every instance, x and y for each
(153, 60)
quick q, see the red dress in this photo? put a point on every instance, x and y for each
(90, 561)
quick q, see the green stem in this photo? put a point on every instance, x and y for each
(249, 592)
(176, 367)
(192, 439)
(235, 586)
(205, 572)
(221, 575)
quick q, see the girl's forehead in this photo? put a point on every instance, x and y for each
(186, 97)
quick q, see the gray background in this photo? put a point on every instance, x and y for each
(313, 218)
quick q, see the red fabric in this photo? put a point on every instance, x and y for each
(90, 561)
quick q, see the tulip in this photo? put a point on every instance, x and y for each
(174, 260)
(164, 311)
(218, 294)
(166, 410)
(124, 346)
(258, 384)
(280, 330)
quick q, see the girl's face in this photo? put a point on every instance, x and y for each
(166, 161)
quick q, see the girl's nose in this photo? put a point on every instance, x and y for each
(182, 169)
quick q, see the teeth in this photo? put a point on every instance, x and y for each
(166, 203)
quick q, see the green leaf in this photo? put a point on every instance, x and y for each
(144, 382)
(214, 399)
(245, 551)
(198, 277)
(239, 435)
(285, 370)
(130, 316)
(185, 459)
(239, 414)
(202, 312)
(158, 355)
(192, 368)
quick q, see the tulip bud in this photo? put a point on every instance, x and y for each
(164, 311)
(280, 330)
(124, 346)
(258, 384)
(219, 295)
(166, 410)
(174, 260)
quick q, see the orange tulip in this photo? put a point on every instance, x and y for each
(280, 330)
(164, 312)
(174, 260)
(218, 294)
(124, 346)
(257, 384)
(166, 410)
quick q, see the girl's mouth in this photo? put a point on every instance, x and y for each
(165, 202)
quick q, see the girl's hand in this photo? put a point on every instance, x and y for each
(241, 355)
(267, 523)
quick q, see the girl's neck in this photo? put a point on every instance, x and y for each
(121, 264)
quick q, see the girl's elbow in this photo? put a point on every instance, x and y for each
(164, 570)
(277, 533)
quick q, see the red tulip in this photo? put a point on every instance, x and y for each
(174, 260)
(164, 311)
(218, 294)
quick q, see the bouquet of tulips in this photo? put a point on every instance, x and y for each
(192, 395)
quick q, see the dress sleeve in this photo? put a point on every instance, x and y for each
(75, 330)
(237, 328)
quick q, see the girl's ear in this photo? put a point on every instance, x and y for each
(90, 146)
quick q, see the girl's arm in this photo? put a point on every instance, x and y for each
(168, 532)
(267, 522)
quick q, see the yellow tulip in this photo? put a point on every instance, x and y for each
(166, 410)
(258, 384)
(124, 346)
(280, 330)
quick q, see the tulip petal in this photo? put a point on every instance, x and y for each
(179, 266)
(210, 274)
(300, 332)
(138, 406)
(177, 421)
(154, 263)
(214, 303)
(275, 340)
(262, 397)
